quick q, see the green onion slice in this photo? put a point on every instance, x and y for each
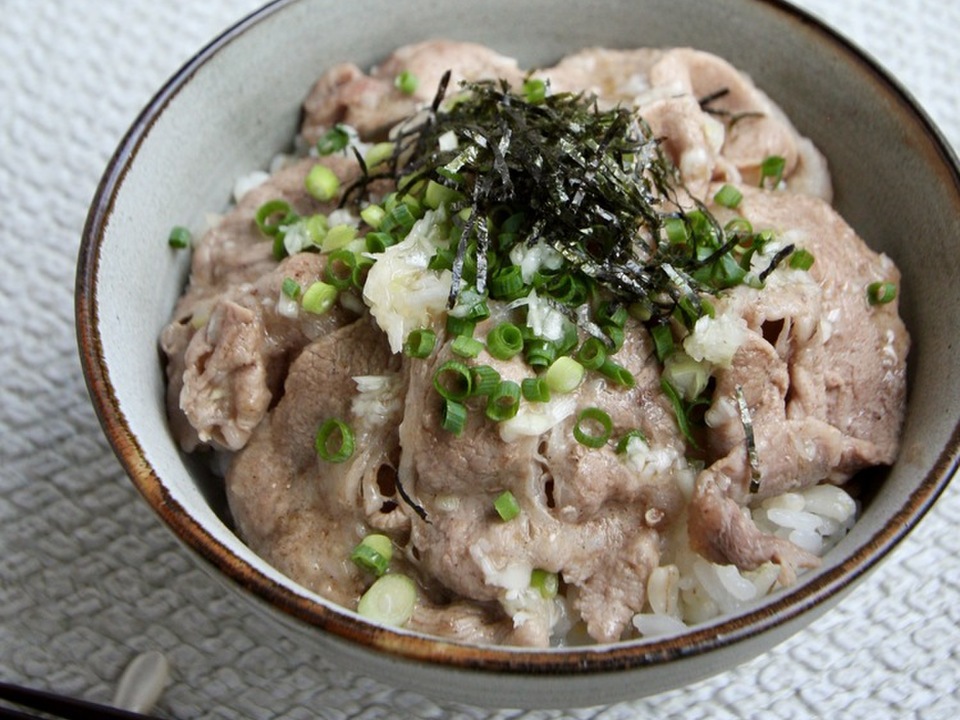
(504, 401)
(273, 215)
(548, 583)
(453, 381)
(340, 267)
(618, 374)
(662, 341)
(880, 293)
(373, 554)
(390, 600)
(504, 341)
(406, 82)
(453, 416)
(801, 259)
(318, 298)
(772, 169)
(466, 347)
(333, 140)
(180, 237)
(506, 506)
(592, 354)
(534, 389)
(593, 428)
(564, 375)
(322, 183)
(485, 379)
(420, 343)
(290, 288)
(624, 443)
(728, 196)
(539, 353)
(334, 442)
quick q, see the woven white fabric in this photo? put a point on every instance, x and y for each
(89, 577)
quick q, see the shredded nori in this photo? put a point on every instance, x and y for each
(593, 184)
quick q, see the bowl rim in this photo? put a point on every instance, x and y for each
(785, 607)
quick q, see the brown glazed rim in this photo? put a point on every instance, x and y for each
(421, 648)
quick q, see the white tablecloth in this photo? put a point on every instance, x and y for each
(89, 577)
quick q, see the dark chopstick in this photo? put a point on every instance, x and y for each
(59, 705)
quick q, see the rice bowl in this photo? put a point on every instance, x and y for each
(536, 678)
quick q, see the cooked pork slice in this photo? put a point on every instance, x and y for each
(235, 363)
(372, 104)
(229, 341)
(588, 515)
(299, 512)
(822, 373)
(614, 76)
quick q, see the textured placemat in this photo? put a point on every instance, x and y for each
(88, 576)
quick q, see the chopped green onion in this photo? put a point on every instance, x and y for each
(273, 215)
(728, 196)
(680, 411)
(546, 582)
(322, 183)
(485, 379)
(612, 313)
(592, 354)
(506, 506)
(662, 341)
(504, 401)
(617, 373)
(373, 554)
(316, 228)
(338, 237)
(479, 311)
(406, 82)
(373, 215)
(390, 600)
(377, 242)
(676, 231)
(801, 259)
(534, 91)
(359, 275)
(290, 288)
(460, 326)
(506, 282)
(420, 343)
(596, 419)
(179, 237)
(453, 416)
(379, 154)
(453, 380)
(334, 442)
(466, 347)
(534, 389)
(340, 267)
(772, 168)
(880, 293)
(436, 195)
(504, 341)
(564, 375)
(616, 335)
(318, 298)
(333, 140)
(402, 217)
(539, 353)
(624, 444)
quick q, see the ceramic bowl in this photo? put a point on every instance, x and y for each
(237, 103)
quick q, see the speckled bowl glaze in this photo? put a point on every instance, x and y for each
(237, 103)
